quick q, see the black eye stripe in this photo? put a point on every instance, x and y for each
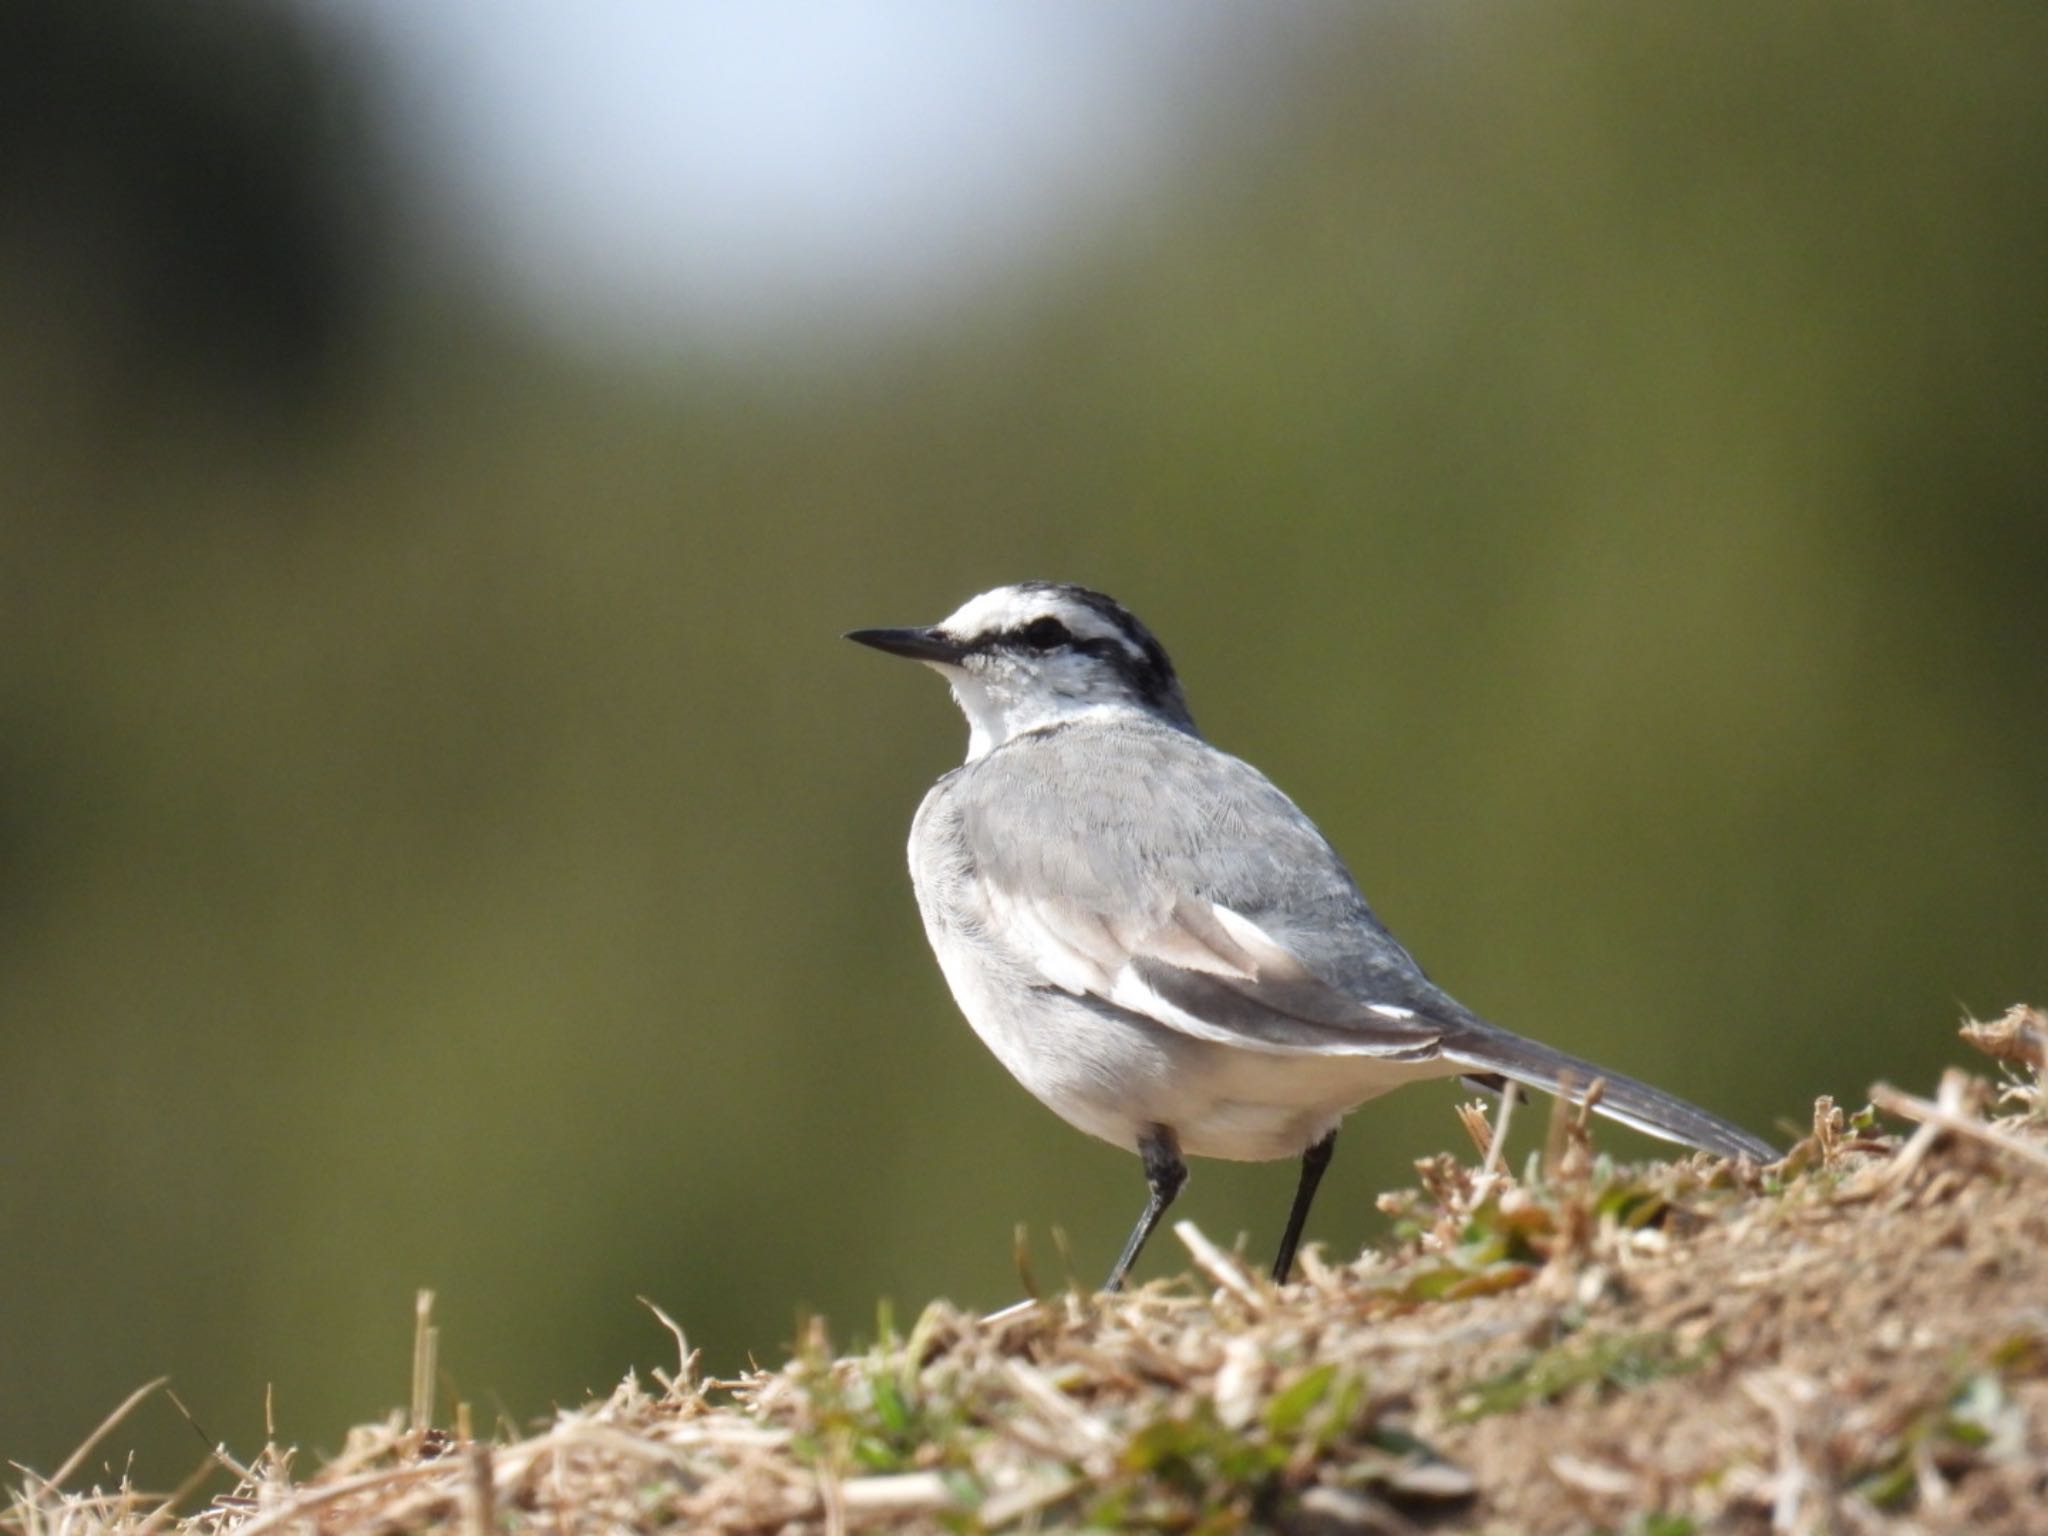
(1044, 634)
(1142, 663)
(1136, 655)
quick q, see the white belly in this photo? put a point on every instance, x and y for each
(1116, 1075)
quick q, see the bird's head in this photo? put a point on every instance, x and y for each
(1041, 653)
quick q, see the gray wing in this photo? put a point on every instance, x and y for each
(1137, 865)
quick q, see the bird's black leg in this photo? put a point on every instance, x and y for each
(1313, 1162)
(1164, 1175)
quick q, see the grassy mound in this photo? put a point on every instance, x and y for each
(1855, 1339)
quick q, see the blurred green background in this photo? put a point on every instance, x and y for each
(1591, 455)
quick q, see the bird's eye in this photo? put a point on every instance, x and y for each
(1043, 634)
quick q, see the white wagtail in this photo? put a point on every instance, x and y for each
(1155, 941)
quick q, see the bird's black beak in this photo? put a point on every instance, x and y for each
(917, 644)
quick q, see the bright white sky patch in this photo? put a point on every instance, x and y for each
(773, 168)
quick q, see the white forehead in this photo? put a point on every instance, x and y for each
(1008, 608)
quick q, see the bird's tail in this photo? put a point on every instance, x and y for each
(1494, 1053)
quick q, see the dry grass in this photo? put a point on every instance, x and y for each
(1853, 1340)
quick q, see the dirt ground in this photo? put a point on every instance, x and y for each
(1853, 1340)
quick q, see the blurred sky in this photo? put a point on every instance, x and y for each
(795, 171)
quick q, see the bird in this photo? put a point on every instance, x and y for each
(1156, 942)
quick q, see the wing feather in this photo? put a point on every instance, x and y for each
(1185, 888)
(1152, 874)
(1211, 973)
